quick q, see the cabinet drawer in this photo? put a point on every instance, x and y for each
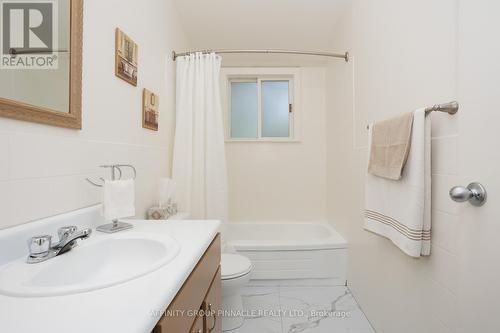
(192, 293)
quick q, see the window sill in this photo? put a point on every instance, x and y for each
(268, 140)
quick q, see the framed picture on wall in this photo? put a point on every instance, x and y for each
(125, 57)
(150, 110)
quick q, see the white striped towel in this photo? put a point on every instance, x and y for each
(401, 209)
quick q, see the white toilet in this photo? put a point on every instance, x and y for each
(235, 274)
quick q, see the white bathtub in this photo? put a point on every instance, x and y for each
(291, 250)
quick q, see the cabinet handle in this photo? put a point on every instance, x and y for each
(213, 315)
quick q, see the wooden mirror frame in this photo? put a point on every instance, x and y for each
(73, 118)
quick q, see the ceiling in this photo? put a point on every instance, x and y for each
(260, 24)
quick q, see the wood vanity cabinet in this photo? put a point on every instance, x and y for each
(212, 306)
(198, 325)
(196, 307)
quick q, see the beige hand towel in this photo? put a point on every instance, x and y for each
(391, 140)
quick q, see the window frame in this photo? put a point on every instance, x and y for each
(248, 74)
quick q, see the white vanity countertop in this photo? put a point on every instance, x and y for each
(130, 307)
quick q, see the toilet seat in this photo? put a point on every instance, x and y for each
(234, 266)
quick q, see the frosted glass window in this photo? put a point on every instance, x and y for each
(275, 109)
(244, 110)
(260, 108)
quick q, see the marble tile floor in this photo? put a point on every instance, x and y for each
(294, 309)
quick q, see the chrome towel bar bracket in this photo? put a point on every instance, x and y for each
(450, 108)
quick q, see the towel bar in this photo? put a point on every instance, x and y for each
(114, 167)
(451, 108)
(115, 225)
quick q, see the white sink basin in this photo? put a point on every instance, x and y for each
(101, 261)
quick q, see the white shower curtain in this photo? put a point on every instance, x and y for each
(199, 162)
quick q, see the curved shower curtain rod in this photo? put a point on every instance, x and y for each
(344, 56)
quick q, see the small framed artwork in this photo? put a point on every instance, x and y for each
(125, 57)
(149, 110)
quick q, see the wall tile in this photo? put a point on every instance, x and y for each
(31, 199)
(444, 124)
(445, 155)
(442, 267)
(441, 185)
(442, 305)
(5, 205)
(4, 154)
(445, 228)
(28, 158)
(436, 325)
(49, 177)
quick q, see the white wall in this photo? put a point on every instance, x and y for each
(404, 57)
(270, 181)
(478, 92)
(43, 168)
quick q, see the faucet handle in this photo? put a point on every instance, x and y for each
(66, 231)
(39, 246)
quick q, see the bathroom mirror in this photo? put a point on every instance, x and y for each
(41, 61)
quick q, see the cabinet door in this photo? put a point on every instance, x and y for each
(197, 326)
(193, 292)
(213, 306)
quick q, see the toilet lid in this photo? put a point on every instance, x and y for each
(234, 265)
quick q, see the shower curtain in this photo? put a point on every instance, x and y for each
(199, 162)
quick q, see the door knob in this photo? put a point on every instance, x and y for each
(475, 193)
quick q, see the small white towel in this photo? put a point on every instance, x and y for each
(118, 199)
(401, 210)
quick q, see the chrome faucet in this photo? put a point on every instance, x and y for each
(42, 249)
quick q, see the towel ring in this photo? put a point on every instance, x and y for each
(114, 168)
